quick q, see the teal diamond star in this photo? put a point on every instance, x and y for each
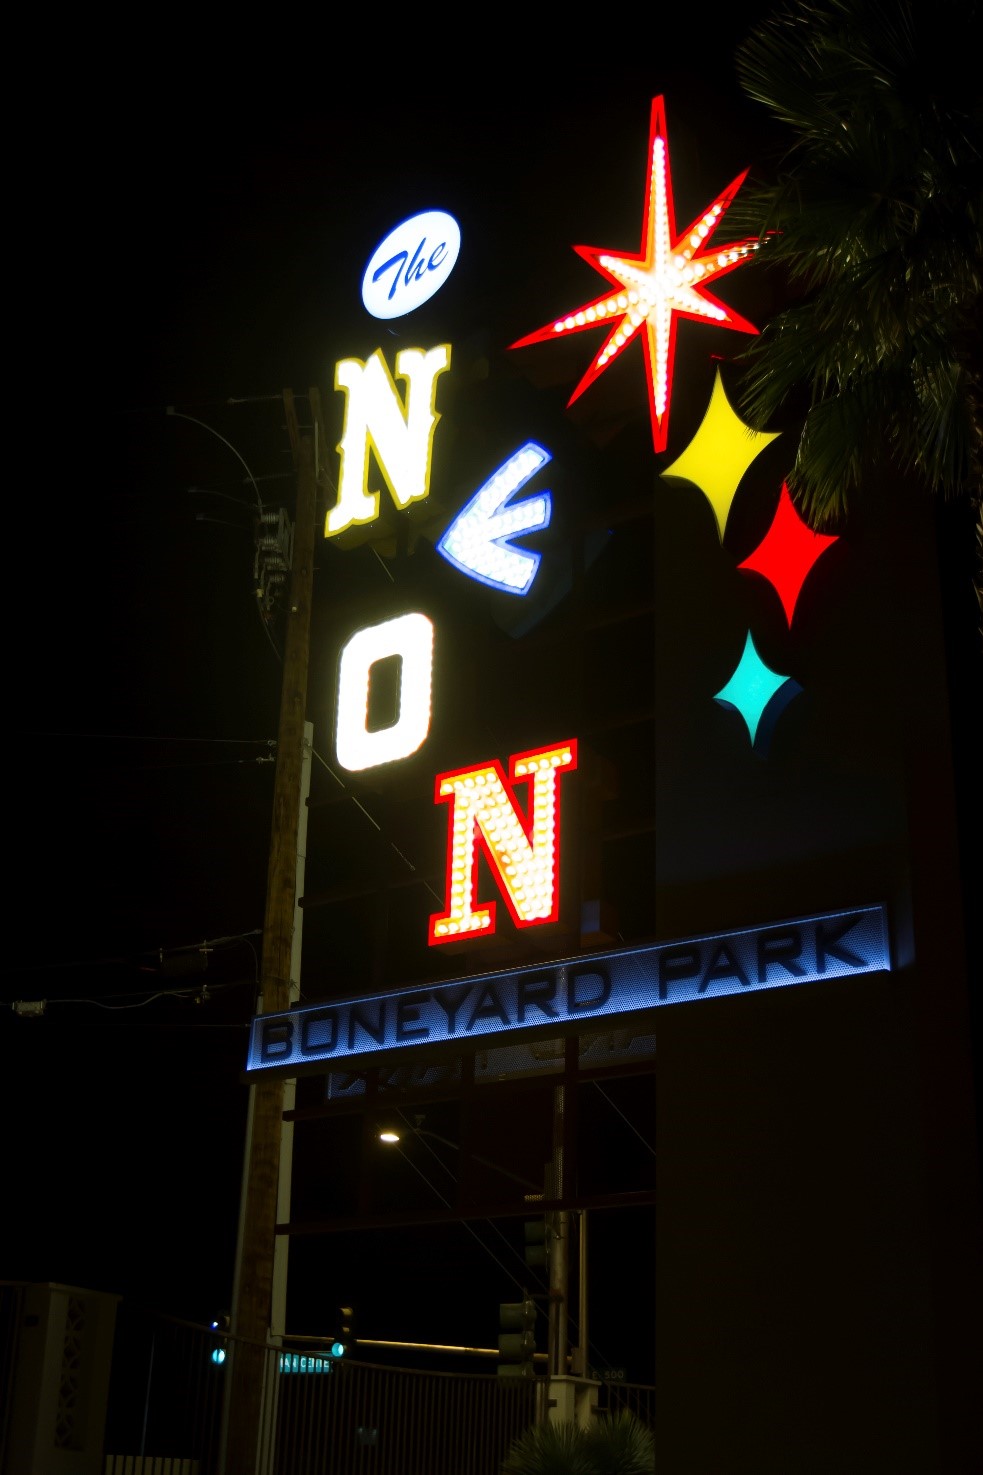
(752, 686)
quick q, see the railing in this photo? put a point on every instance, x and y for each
(399, 1421)
(166, 1393)
(11, 1315)
(636, 1398)
(167, 1396)
(167, 1382)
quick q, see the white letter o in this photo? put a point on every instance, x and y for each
(411, 638)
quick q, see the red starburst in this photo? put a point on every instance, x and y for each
(663, 281)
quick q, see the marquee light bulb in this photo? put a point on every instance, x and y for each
(665, 280)
(479, 540)
(410, 638)
(523, 853)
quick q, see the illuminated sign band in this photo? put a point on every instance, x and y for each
(524, 855)
(411, 264)
(664, 280)
(565, 994)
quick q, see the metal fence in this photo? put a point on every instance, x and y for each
(11, 1316)
(321, 1414)
(399, 1422)
(166, 1391)
(164, 1382)
(636, 1398)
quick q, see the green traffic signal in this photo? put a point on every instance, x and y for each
(536, 1243)
(516, 1339)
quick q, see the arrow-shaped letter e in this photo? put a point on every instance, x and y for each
(400, 435)
(477, 541)
(523, 853)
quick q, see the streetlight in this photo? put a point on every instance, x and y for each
(391, 1136)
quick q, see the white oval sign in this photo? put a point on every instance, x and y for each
(411, 264)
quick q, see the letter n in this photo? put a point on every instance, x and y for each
(377, 420)
(523, 853)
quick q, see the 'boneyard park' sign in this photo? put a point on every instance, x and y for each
(564, 996)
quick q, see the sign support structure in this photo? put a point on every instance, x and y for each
(281, 1244)
(252, 1310)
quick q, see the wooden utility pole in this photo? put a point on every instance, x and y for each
(253, 1291)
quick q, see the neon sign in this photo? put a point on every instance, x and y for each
(478, 540)
(661, 282)
(377, 420)
(720, 453)
(523, 853)
(716, 460)
(411, 264)
(787, 553)
(410, 638)
(753, 688)
(666, 279)
(567, 994)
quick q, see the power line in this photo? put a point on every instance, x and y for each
(212, 431)
(146, 737)
(629, 1124)
(419, 1135)
(373, 822)
(208, 945)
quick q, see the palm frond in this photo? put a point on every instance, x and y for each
(615, 1444)
(620, 1444)
(549, 1449)
(872, 216)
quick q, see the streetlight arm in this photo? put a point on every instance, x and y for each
(485, 1162)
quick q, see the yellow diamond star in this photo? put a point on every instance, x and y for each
(665, 280)
(719, 454)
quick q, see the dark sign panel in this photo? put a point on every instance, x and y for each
(565, 994)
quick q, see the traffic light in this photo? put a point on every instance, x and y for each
(536, 1243)
(220, 1324)
(346, 1332)
(516, 1339)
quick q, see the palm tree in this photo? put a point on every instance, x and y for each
(549, 1449)
(620, 1444)
(873, 220)
(615, 1444)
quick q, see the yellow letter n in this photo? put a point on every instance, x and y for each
(524, 854)
(377, 420)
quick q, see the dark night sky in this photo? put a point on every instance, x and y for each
(203, 233)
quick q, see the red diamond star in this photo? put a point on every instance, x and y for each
(787, 552)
